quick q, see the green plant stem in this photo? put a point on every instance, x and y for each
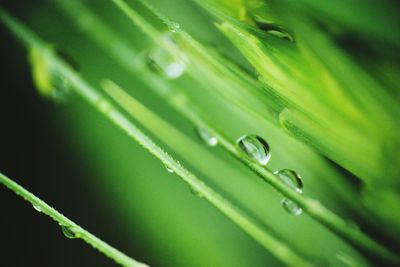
(105, 38)
(313, 207)
(81, 233)
(280, 250)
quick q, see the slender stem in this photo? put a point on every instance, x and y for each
(277, 248)
(313, 207)
(78, 231)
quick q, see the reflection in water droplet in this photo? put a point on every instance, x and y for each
(37, 207)
(170, 65)
(69, 232)
(255, 147)
(291, 207)
(206, 136)
(291, 179)
(294, 181)
(168, 169)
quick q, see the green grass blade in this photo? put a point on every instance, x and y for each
(280, 250)
(63, 221)
(336, 224)
(313, 207)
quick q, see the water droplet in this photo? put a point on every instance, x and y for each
(174, 27)
(291, 207)
(69, 232)
(291, 179)
(294, 181)
(281, 34)
(170, 65)
(275, 30)
(37, 208)
(168, 168)
(206, 136)
(255, 147)
(195, 192)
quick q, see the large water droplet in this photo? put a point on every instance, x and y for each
(255, 147)
(291, 207)
(170, 65)
(37, 208)
(69, 232)
(206, 136)
(291, 179)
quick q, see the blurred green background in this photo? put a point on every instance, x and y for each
(73, 158)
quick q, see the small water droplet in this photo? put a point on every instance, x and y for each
(275, 30)
(294, 181)
(37, 208)
(69, 232)
(195, 192)
(171, 66)
(291, 207)
(206, 136)
(174, 27)
(281, 34)
(291, 179)
(168, 168)
(255, 147)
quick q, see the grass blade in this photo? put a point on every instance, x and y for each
(78, 231)
(313, 207)
(280, 250)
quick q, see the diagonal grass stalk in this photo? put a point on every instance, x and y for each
(72, 227)
(280, 250)
(313, 207)
(103, 36)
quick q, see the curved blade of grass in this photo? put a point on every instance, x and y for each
(78, 231)
(280, 250)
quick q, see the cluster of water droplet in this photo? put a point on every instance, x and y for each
(294, 181)
(258, 149)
